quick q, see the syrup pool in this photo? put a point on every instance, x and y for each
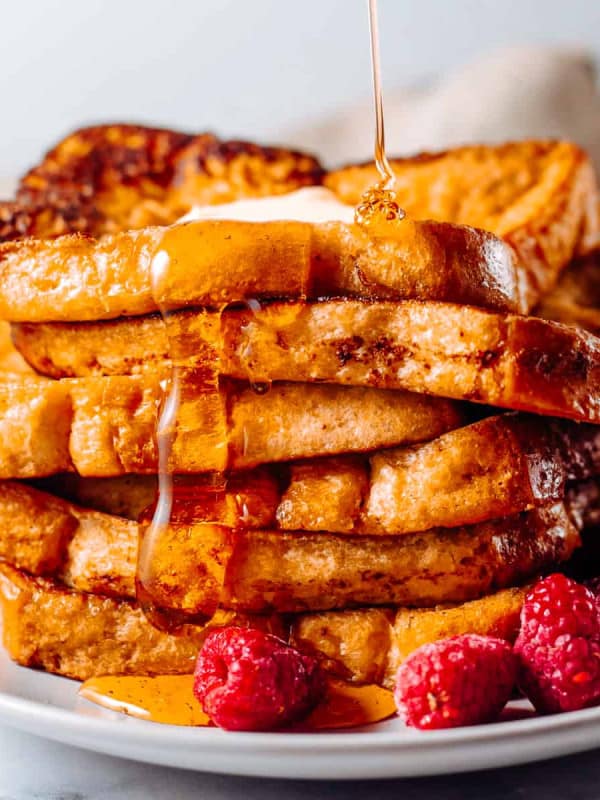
(169, 699)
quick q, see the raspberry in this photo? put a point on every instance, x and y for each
(593, 584)
(463, 680)
(558, 646)
(248, 680)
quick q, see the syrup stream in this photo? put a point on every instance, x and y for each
(165, 436)
(191, 373)
(379, 203)
(164, 562)
(381, 161)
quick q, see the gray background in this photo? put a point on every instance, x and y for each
(253, 68)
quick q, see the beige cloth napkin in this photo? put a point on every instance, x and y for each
(513, 93)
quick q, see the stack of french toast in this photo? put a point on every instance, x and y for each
(381, 434)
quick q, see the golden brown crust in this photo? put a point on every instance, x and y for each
(35, 423)
(368, 645)
(492, 468)
(108, 178)
(80, 635)
(107, 426)
(268, 570)
(114, 424)
(213, 263)
(541, 197)
(514, 362)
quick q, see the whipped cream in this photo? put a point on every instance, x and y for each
(311, 204)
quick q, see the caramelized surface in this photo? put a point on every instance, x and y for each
(368, 645)
(509, 361)
(265, 570)
(107, 426)
(114, 424)
(108, 178)
(212, 263)
(492, 468)
(82, 635)
(542, 199)
(540, 196)
(35, 421)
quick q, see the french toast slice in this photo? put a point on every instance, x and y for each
(575, 300)
(492, 468)
(462, 352)
(35, 422)
(368, 645)
(108, 178)
(261, 571)
(539, 196)
(212, 263)
(114, 424)
(78, 635)
(264, 570)
(107, 426)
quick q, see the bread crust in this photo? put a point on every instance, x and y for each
(541, 197)
(49, 626)
(215, 262)
(107, 426)
(78, 635)
(504, 360)
(544, 205)
(492, 468)
(108, 178)
(368, 645)
(265, 571)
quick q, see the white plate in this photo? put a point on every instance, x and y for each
(49, 706)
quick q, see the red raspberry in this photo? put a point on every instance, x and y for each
(463, 680)
(248, 680)
(558, 646)
(593, 584)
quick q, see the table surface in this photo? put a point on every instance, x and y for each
(34, 769)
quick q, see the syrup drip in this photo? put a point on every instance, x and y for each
(379, 203)
(169, 699)
(196, 526)
(194, 373)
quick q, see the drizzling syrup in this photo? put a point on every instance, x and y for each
(379, 203)
(181, 506)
